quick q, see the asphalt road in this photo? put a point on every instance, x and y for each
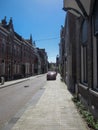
(15, 97)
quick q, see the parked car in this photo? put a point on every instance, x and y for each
(51, 75)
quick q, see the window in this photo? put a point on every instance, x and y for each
(2, 67)
(10, 48)
(14, 67)
(84, 77)
(26, 68)
(15, 50)
(95, 64)
(97, 60)
(84, 32)
(84, 66)
(96, 17)
(18, 69)
(3, 46)
(95, 46)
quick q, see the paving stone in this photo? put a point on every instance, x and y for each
(54, 111)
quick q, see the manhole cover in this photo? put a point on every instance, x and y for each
(26, 86)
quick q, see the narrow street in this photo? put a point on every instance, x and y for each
(36, 37)
(50, 109)
(16, 97)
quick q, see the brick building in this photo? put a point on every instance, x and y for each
(80, 54)
(44, 60)
(18, 57)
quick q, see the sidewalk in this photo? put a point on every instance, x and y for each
(53, 111)
(9, 83)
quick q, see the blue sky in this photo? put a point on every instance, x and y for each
(41, 18)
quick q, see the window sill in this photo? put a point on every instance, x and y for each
(94, 92)
(85, 86)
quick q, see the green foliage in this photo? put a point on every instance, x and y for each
(74, 99)
(96, 125)
(92, 123)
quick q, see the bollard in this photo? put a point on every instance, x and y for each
(2, 80)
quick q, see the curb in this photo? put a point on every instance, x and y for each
(20, 80)
(3, 86)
